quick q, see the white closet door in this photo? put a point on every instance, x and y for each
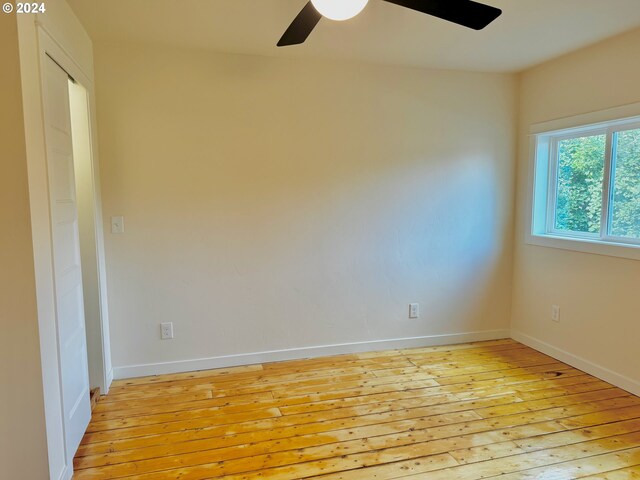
(72, 341)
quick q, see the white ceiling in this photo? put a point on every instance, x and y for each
(527, 33)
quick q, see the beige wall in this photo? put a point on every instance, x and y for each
(273, 204)
(23, 449)
(598, 295)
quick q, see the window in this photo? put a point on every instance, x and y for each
(587, 184)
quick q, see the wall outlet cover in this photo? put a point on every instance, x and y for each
(166, 331)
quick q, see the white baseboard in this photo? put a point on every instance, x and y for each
(132, 371)
(603, 373)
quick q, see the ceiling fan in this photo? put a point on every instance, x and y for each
(463, 12)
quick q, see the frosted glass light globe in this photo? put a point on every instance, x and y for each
(339, 9)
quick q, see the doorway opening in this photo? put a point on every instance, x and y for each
(68, 239)
(90, 236)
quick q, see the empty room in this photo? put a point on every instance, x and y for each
(320, 239)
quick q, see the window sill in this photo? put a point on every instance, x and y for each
(598, 247)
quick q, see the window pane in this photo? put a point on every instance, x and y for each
(625, 221)
(579, 188)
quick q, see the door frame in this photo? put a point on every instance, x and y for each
(37, 43)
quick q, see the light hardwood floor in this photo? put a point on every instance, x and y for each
(469, 411)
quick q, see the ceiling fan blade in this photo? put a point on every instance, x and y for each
(463, 12)
(301, 27)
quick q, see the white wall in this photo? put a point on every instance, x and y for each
(276, 204)
(23, 448)
(598, 295)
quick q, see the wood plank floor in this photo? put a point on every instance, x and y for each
(478, 410)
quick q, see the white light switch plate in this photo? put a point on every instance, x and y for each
(117, 225)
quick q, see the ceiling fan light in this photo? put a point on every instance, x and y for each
(339, 9)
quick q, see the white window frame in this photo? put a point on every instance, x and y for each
(552, 189)
(542, 183)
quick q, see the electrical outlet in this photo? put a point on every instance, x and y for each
(414, 310)
(166, 331)
(555, 313)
